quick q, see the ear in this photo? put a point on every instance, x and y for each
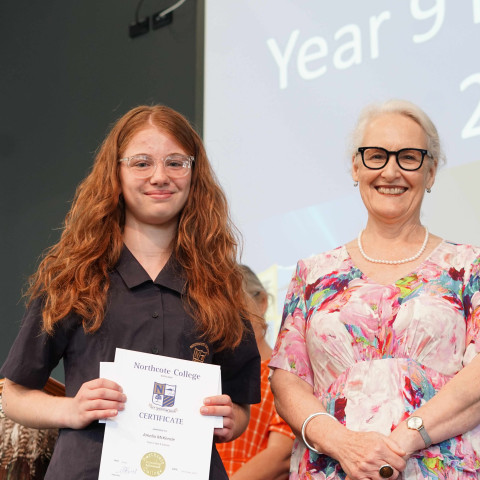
(431, 174)
(354, 168)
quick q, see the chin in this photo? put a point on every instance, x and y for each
(389, 216)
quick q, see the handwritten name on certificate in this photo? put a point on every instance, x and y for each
(161, 432)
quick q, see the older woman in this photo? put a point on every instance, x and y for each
(376, 366)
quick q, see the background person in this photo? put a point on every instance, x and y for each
(147, 262)
(376, 363)
(263, 451)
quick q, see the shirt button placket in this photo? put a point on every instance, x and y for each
(155, 349)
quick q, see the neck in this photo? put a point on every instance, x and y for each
(390, 244)
(151, 246)
(400, 231)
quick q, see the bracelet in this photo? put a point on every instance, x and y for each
(304, 426)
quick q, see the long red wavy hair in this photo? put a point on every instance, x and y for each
(74, 273)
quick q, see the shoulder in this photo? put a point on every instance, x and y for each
(457, 255)
(458, 261)
(310, 269)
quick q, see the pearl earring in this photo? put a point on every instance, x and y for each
(355, 184)
(428, 190)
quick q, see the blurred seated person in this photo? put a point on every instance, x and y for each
(263, 451)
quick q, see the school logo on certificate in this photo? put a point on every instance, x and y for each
(163, 394)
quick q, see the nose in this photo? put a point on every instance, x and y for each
(391, 169)
(159, 175)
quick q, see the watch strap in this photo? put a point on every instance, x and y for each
(425, 436)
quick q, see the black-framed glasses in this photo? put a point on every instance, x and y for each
(409, 159)
(176, 165)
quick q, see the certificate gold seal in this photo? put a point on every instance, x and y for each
(153, 464)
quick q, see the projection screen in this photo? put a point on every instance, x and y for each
(284, 83)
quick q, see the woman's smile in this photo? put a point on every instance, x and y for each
(391, 190)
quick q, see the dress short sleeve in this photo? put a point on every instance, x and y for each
(290, 352)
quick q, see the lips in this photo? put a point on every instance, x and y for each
(159, 193)
(391, 190)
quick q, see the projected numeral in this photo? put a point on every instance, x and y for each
(472, 127)
(437, 11)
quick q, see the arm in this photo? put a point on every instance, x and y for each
(235, 416)
(33, 408)
(454, 410)
(272, 463)
(359, 453)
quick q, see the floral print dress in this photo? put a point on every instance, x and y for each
(375, 353)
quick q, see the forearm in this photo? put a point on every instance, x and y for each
(98, 398)
(263, 466)
(295, 401)
(32, 408)
(272, 463)
(454, 410)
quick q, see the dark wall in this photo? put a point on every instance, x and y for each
(68, 70)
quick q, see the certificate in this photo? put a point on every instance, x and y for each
(161, 432)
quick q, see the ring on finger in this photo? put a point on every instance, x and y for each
(385, 471)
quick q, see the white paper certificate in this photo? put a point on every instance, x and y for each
(161, 432)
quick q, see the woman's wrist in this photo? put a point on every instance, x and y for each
(305, 425)
(408, 439)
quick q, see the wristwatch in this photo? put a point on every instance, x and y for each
(416, 423)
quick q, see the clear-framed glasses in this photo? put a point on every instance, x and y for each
(176, 165)
(409, 159)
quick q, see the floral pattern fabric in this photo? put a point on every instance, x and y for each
(375, 353)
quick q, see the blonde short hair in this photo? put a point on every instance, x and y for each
(402, 107)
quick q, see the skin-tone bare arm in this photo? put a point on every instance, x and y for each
(235, 417)
(454, 410)
(99, 398)
(272, 463)
(359, 453)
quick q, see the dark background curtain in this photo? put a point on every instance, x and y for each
(69, 69)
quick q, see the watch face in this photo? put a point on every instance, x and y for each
(414, 422)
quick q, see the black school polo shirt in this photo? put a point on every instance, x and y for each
(142, 315)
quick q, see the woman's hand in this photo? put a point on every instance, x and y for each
(361, 454)
(235, 417)
(97, 399)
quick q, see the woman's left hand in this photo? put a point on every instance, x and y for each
(235, 416)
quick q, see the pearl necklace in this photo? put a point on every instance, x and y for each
(392, 262)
